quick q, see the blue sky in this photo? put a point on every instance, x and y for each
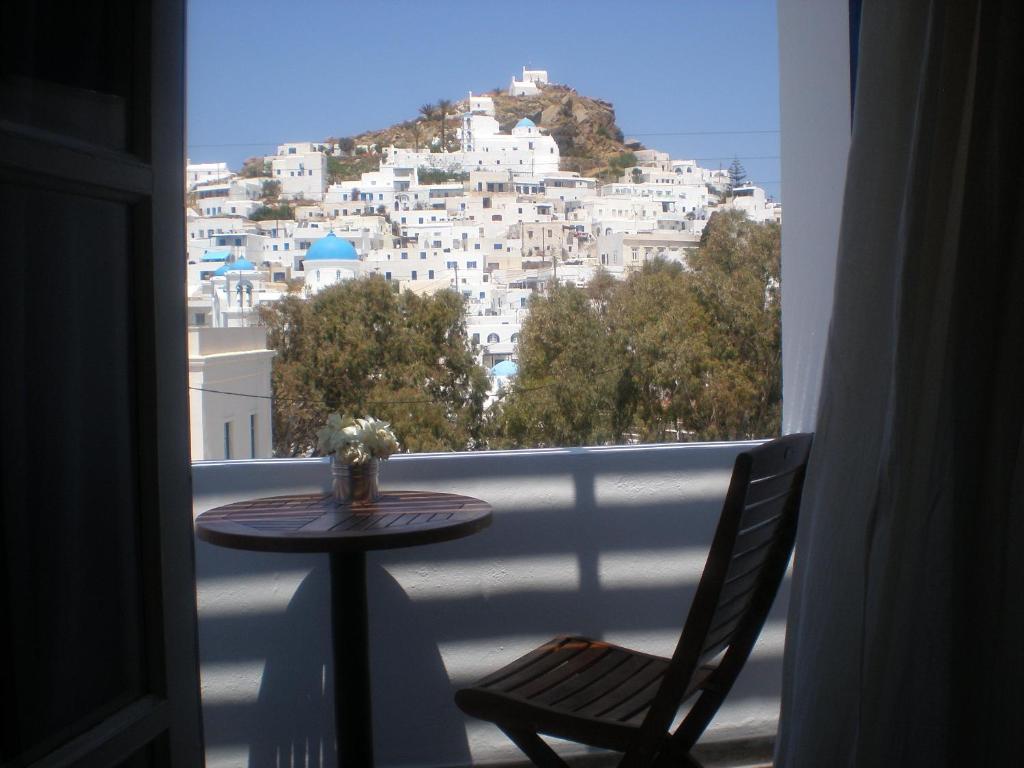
(261, 73)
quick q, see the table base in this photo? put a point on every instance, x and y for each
(353, 714)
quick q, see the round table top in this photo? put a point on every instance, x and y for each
(314, 523)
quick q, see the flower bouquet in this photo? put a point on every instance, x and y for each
(356, 447)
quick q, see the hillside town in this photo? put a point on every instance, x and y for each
(490, 213)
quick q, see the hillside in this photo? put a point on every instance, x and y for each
(584, 128)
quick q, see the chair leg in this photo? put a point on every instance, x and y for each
(535, 748)
(665, 760)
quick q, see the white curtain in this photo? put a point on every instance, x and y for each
(905, 643)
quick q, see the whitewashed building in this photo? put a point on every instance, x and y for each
(301, 169)
(529, 85)
(229, 393)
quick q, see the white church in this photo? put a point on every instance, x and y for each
(526, 151)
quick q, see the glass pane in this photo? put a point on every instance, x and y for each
(70, 603)
(70, 67)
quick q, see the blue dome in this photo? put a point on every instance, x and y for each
(505, 368)
(526, 123)
(235, 266)
(332, 248)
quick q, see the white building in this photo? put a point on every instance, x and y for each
(529, 85)
(235, 361)
(200, 173)
(526, 151)
(301, 169)
(753, 201)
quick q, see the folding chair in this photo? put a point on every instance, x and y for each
(612, 697)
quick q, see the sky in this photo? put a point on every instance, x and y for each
(695, 78)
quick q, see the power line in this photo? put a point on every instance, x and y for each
(741, 157)
(237, 144)
(421, 401)
(628, 133)
(699, 133)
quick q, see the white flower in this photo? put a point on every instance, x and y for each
(356, 441)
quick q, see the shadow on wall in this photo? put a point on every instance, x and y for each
(607, 543)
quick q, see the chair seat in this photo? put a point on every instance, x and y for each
(575, 688)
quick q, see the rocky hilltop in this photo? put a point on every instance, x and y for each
(584, 128)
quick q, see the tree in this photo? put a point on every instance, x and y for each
(429, 111)
(254, 167)
(736, 274)
(565, 391)
(737, 173)
(271, 189)
(361, 348)
(637, 175)
(443, 107)
(666, 349)
(272, 212)
(669, 353)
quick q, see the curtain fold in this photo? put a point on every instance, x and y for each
(908, 568)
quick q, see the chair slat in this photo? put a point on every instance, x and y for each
(570, 669)
(600, 707)
(522, 662)
(541, 665)
(579, 683)
(634, 705)
(740, 586)
(596, 696)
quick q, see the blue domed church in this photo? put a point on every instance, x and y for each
(330, 260)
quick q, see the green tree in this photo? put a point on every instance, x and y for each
(270, 189)
(666, 350)
(736, 277)
(254, 167)
(737, 173)
(565, 392)
(361, 348)
(669, 353)
(272, 212)
(444, 106)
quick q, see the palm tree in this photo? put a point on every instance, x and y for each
(443, 105)
(428, 111)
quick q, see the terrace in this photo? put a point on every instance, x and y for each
(605, 541)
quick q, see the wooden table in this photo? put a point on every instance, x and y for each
(313, 523)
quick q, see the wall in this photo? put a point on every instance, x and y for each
(814, 82)
(605, 541)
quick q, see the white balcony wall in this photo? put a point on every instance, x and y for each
(604, 541)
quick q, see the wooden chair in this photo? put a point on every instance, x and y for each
(607, 696)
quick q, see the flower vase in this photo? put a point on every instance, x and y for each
(354, 483)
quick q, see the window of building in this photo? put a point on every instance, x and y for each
(227, 439)
(430, 274)
(470, 265)
(252, 435)
(414, 274)
(492, 338)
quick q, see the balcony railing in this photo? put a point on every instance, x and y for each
(605, 541)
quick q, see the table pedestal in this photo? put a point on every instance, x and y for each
(315, 523)
(353, 714)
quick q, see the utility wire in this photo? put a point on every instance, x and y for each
(421, 401)
(630, 134)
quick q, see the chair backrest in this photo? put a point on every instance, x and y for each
(745, 566)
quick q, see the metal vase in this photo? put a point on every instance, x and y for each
(354, 483)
